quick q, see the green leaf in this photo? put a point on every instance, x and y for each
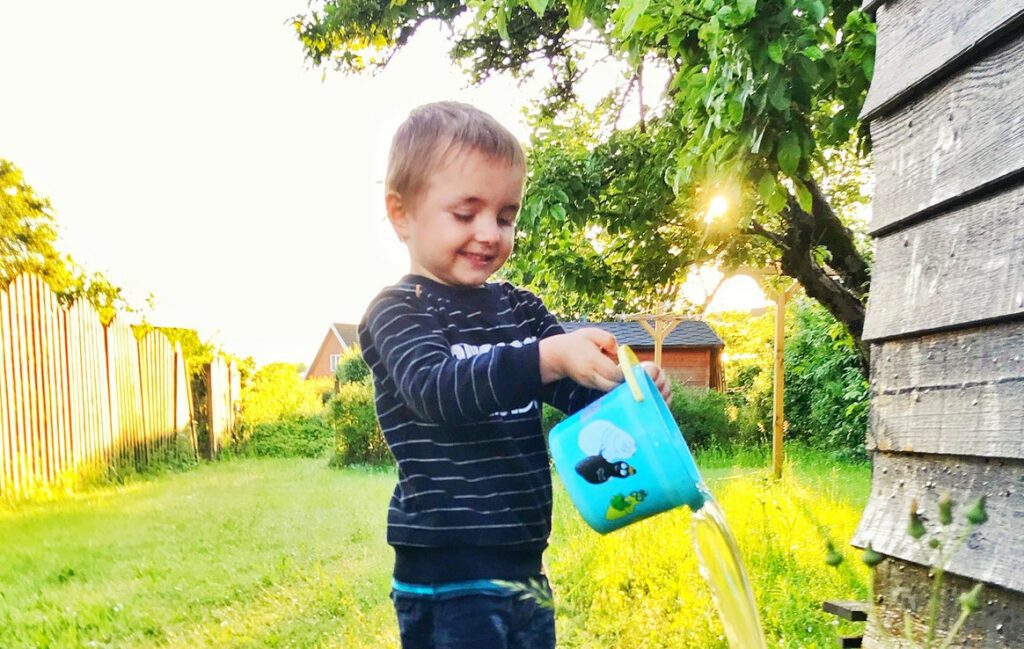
(814, 53)
(632, 9)
(735, 108)
(576, 14)
(789, 153)
(803, 196)
(776, 202)
(710, 29)
(746, 8)
(868, 65)
(778, 95)
(502, 22)
(775, 51)
(538, 6)
(815, 10)
(767, 186)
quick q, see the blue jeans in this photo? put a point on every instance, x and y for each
(477, 621)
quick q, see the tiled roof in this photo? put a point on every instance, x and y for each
(689, 333)
(347, 332)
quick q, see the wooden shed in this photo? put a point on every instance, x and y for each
(691, 353)
(946, 316)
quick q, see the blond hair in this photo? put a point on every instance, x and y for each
(434, 131)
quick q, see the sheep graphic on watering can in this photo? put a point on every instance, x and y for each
(623, 458)
(606, 447)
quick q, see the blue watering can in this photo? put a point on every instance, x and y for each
(623, 458)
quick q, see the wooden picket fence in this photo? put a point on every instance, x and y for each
(79, 398)
(223, 389)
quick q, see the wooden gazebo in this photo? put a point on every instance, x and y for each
(946, 317)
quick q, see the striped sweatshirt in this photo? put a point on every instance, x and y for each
(456, 374)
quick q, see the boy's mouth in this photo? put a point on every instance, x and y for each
(476, 259)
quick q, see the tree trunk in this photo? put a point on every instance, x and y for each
(842, 295)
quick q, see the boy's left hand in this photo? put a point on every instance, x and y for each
(660, 378)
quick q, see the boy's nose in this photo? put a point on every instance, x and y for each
(488, 232)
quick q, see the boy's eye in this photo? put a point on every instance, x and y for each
(465, 218)
(506, 222)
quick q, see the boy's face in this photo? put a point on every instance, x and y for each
(460, 228)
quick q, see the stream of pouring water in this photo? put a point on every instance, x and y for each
(722, 569)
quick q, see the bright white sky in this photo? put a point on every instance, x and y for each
(190, 152)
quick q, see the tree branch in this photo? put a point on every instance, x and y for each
(797, 245)
(837, 238)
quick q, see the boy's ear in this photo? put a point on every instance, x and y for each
(398, 214)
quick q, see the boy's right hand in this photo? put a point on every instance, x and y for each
(585, 356)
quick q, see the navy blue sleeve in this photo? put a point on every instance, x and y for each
(565, 394)
(439, 388)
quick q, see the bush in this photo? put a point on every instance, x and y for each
(702, 417)
(278, 391)
(357, 436)
(827, 397)
(293, 436)
(351, 367)
(747, 370)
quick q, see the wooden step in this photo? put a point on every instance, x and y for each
(847, 609)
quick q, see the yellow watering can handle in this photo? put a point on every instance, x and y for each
(627, 361)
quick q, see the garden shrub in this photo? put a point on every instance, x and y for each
(292, 436)
(277, 391)
(702, 417)
(747, 363)
(281, 413)
(357, 436)
(351, 367)
(827, 397)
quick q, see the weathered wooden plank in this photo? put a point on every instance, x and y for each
(991, 552)
(870, 6)
(905, 588)
(958, 392)
(964, 267)
(29, 393)
(66, 426)
(51, 431)
(962, 138)
(6, 430)
(920, 43)
(15, 384)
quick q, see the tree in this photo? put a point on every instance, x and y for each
(28, 237)
(761, 106)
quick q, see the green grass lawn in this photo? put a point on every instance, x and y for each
(291, 553)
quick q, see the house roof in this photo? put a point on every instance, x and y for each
(346, 333)
(689, 333)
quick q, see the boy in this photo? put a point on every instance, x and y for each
(460, 367)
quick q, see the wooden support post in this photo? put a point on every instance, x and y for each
(778, 391)
(663, 326)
